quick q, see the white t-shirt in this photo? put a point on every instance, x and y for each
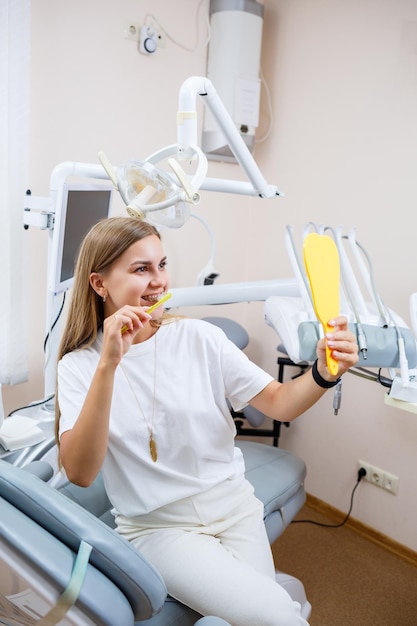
(197, 368)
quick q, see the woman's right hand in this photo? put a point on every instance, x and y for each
(119, 330)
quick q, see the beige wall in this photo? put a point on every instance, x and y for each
(343, 81)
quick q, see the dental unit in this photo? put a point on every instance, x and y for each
(166, 197)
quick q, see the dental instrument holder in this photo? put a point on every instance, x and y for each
(382, 344)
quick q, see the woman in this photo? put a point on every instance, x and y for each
(143, 398)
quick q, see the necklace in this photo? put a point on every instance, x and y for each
(152, 443)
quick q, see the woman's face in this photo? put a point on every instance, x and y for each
(138, 277)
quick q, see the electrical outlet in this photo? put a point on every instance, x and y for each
(132, 31)
(377, 476)
(380, 478)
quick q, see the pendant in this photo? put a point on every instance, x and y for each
(152, 449)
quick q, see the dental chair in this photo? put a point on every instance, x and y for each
(62, 563)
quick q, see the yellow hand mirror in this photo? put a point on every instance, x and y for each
(321, 260)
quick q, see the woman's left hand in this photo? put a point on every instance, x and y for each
(343, 345)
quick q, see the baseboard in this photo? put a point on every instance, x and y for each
(362, 529)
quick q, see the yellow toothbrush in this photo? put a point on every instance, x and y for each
(152, 308)
(321, 259)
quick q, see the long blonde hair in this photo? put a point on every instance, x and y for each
(104, 243)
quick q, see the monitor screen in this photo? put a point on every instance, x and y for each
(81, 206)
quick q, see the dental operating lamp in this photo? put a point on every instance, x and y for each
(138, 188)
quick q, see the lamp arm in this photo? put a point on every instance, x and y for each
(187, 131)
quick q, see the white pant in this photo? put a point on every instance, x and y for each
(213, 553)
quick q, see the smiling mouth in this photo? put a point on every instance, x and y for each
(152, 298)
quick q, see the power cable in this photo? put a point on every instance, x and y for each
(361, 474)
(45, 343)
(32, 404)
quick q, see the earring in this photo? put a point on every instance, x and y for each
(104, 299)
